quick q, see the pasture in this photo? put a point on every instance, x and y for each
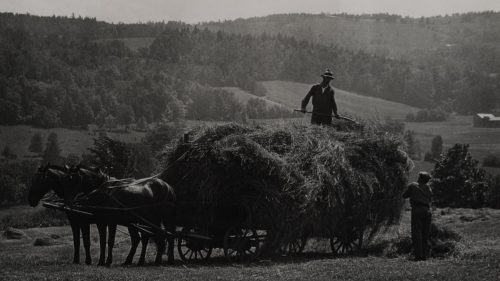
(478, 260)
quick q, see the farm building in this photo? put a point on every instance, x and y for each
(486, 120)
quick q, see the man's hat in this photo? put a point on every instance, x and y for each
(424, 177)
(328, 74)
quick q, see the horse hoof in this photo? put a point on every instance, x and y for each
(140, 263)
(89, 262)
(101, 263)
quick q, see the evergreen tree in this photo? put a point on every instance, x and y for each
(458, 181)
(36, 145)
(437, 147)
(8, 154)
(52, 153)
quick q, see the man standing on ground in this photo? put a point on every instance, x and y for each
(420, 195)
(323, 100)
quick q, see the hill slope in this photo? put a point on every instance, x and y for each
(291, 94)
(383, 34)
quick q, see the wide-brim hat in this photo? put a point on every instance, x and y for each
(328, 74)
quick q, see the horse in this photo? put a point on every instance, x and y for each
(126, 202)
(56, 178)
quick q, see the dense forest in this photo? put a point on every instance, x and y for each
(59, 71)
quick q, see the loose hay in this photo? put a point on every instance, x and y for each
(291, 181)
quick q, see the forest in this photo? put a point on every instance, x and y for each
(72, 71)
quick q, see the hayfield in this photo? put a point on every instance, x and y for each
(458, 129)
(18, 138)
(291, 94)
(478, 260)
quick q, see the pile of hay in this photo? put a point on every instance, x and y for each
(290, 179)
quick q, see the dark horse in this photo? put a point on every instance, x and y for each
(67, 184)
(147, 202)
(57, 179)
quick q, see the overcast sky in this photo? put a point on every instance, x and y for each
(193, 11)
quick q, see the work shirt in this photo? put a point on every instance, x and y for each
(420, 195)
(323, 101)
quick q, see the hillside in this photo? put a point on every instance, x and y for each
(291, 94)
(383, 34)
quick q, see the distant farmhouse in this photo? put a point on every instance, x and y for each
(486, 120)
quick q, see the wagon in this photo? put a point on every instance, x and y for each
(229, 228)
(200, 230)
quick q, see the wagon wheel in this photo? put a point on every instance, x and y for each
(241, 244)
(295, 246)
(192, 249)
(346, 242)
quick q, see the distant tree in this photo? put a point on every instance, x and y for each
(8, 154)
(36, 145)
(52, 153)
(125, 115)
(437, 147)
(412, 144)
(142, 124)
(458, 181)
(112, 156)
(161, 136)
(143, 160)
(110, 122)
(10, 113)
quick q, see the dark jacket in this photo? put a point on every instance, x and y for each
(420, 195)
(323, 103)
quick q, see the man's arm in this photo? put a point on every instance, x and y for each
(306, 99)
(407, 193)
(334, 105)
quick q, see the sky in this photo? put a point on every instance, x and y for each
(193, 11)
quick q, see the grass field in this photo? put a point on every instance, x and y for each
(243, 97)
(18, 138)
(291, 95)
(20, 260)
(458, 129)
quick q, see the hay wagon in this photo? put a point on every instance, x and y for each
(200, 230)
(229, 228)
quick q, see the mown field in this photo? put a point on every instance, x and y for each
(477, 260)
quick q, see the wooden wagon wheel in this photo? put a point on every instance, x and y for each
(192, 249)
(347, 241)
(241, 244)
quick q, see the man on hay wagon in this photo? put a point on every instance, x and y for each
(323, 101)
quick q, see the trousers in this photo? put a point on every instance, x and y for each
(421, 218)
(321, 120)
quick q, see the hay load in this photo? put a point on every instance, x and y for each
(293, 181)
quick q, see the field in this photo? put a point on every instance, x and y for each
(71, 141)
(291, 95)
(478, 260)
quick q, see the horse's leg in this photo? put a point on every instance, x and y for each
(135, 238)
(170, 251)
(144, 243)
(102, 228)
(160, 248)
(86, 241)
(111, 243)
(75, 228)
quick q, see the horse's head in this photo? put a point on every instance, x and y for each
(46, 178)
(84, 180)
